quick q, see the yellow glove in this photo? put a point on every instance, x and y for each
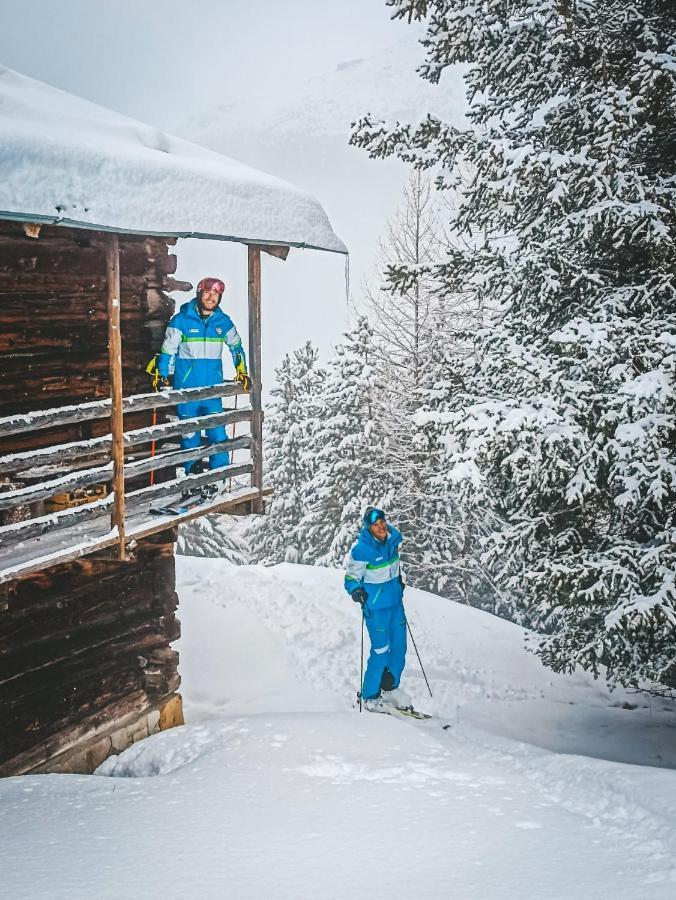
(242, 376)
(152, 370)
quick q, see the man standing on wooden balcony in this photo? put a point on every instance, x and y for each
(195, 338)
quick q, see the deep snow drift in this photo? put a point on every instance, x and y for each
(64, 159)
(278, 788)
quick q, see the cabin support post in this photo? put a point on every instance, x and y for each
(115, 366)
(254, 280)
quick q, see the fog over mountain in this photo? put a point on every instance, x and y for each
(304, 138)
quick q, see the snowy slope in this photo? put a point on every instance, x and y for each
(278, 788)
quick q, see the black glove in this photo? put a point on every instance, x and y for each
(360, 596)
(165, 382)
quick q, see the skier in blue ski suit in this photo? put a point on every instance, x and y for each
(373, 579)
(195, 338)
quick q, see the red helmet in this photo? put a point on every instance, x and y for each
(211, 284)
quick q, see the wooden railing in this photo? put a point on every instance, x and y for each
(30, 487)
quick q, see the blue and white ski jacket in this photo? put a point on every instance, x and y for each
(374, 565)
(197, 344)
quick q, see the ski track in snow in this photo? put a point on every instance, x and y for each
(326, 654)
(277, 787)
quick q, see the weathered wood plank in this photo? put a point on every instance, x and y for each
(136, 500)
(19, 532)
(254, 294)
(275, 250)
(20, 462)
(115, 361)
(178, 457)
(103, 474)
(46, 257)
(68, 734)
(97, 409)
(134, 531)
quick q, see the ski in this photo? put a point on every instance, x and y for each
(407, 712)
(187, 502)
(410, 712)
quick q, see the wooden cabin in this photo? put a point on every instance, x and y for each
(89, 452)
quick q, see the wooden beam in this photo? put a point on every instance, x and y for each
(23, 531)
(136, 500)
(19, 423)
(115, 366)
(30, 528)
(144, 528)
(61, 453)
(32, 229)
(254, 282)
(178, 457)
(103, 474)
(275, 250)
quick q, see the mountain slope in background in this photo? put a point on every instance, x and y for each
(386, 85)
(305, 138)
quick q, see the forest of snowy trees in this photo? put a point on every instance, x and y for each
(506, 389)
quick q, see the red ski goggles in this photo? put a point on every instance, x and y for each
(211, 284)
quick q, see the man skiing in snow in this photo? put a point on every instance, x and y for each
(195, 338)
(373, 579)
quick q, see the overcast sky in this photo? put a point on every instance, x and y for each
(157, 61)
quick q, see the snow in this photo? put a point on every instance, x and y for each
(64, 159)
(543, 786)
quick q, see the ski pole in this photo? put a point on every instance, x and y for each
(153, 445)
(232, 454)
(418, 655)
(361, 659)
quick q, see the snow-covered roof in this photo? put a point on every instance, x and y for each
(65, 160)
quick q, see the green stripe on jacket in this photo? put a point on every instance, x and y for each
(382, 565)
(205, 340)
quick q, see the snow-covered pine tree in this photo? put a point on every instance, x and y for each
(402, 317)
(567, 422)
(288, 439)
(216, 536)
(446, 544)
(349, 473)
(420, 334)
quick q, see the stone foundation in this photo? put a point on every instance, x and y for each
(85, 757)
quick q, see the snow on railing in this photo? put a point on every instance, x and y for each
(37, 475)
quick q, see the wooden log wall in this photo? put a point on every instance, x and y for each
(53, 322)
(85, 644)
(84, 641)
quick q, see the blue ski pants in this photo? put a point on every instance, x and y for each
(214, 435)
(387, 631)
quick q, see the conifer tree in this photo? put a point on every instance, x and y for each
(402, 318)
(565, 425)
(347, 449)
(216, 536)
(288, 437)
(420, 333)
